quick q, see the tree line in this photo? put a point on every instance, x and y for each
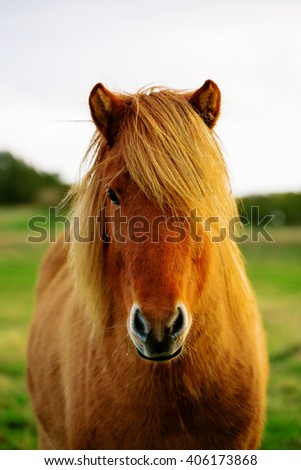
(21, 183)
(284, 207)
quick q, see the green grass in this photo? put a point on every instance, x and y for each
(274, 269)
(18, 268)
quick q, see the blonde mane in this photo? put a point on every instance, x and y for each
(175, 159)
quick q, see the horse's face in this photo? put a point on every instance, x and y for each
(157, 268)
(154, 267)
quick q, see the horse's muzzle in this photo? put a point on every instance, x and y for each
(158, 340)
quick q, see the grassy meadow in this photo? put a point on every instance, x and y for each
(274, 269)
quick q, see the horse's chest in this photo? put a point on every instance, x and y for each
(137, 422)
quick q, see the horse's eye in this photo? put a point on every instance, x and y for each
(114, 198)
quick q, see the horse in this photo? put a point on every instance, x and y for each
(146, 333)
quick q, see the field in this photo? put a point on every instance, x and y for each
(274, 268)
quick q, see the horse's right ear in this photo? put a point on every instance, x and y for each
(106, 111)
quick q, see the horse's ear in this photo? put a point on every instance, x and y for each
(106, 111)
(206, 102)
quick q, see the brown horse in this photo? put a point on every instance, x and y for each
(146, 333)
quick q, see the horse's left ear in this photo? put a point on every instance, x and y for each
(206, 102)
(106, 111)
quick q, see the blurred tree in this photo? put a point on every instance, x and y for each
(20, 183)
(286, 208)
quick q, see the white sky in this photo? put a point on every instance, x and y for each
(52, 52)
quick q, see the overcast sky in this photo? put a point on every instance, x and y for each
(52, 52)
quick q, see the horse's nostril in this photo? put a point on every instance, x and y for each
(180, 323)
(158, 331)
(138, 324)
